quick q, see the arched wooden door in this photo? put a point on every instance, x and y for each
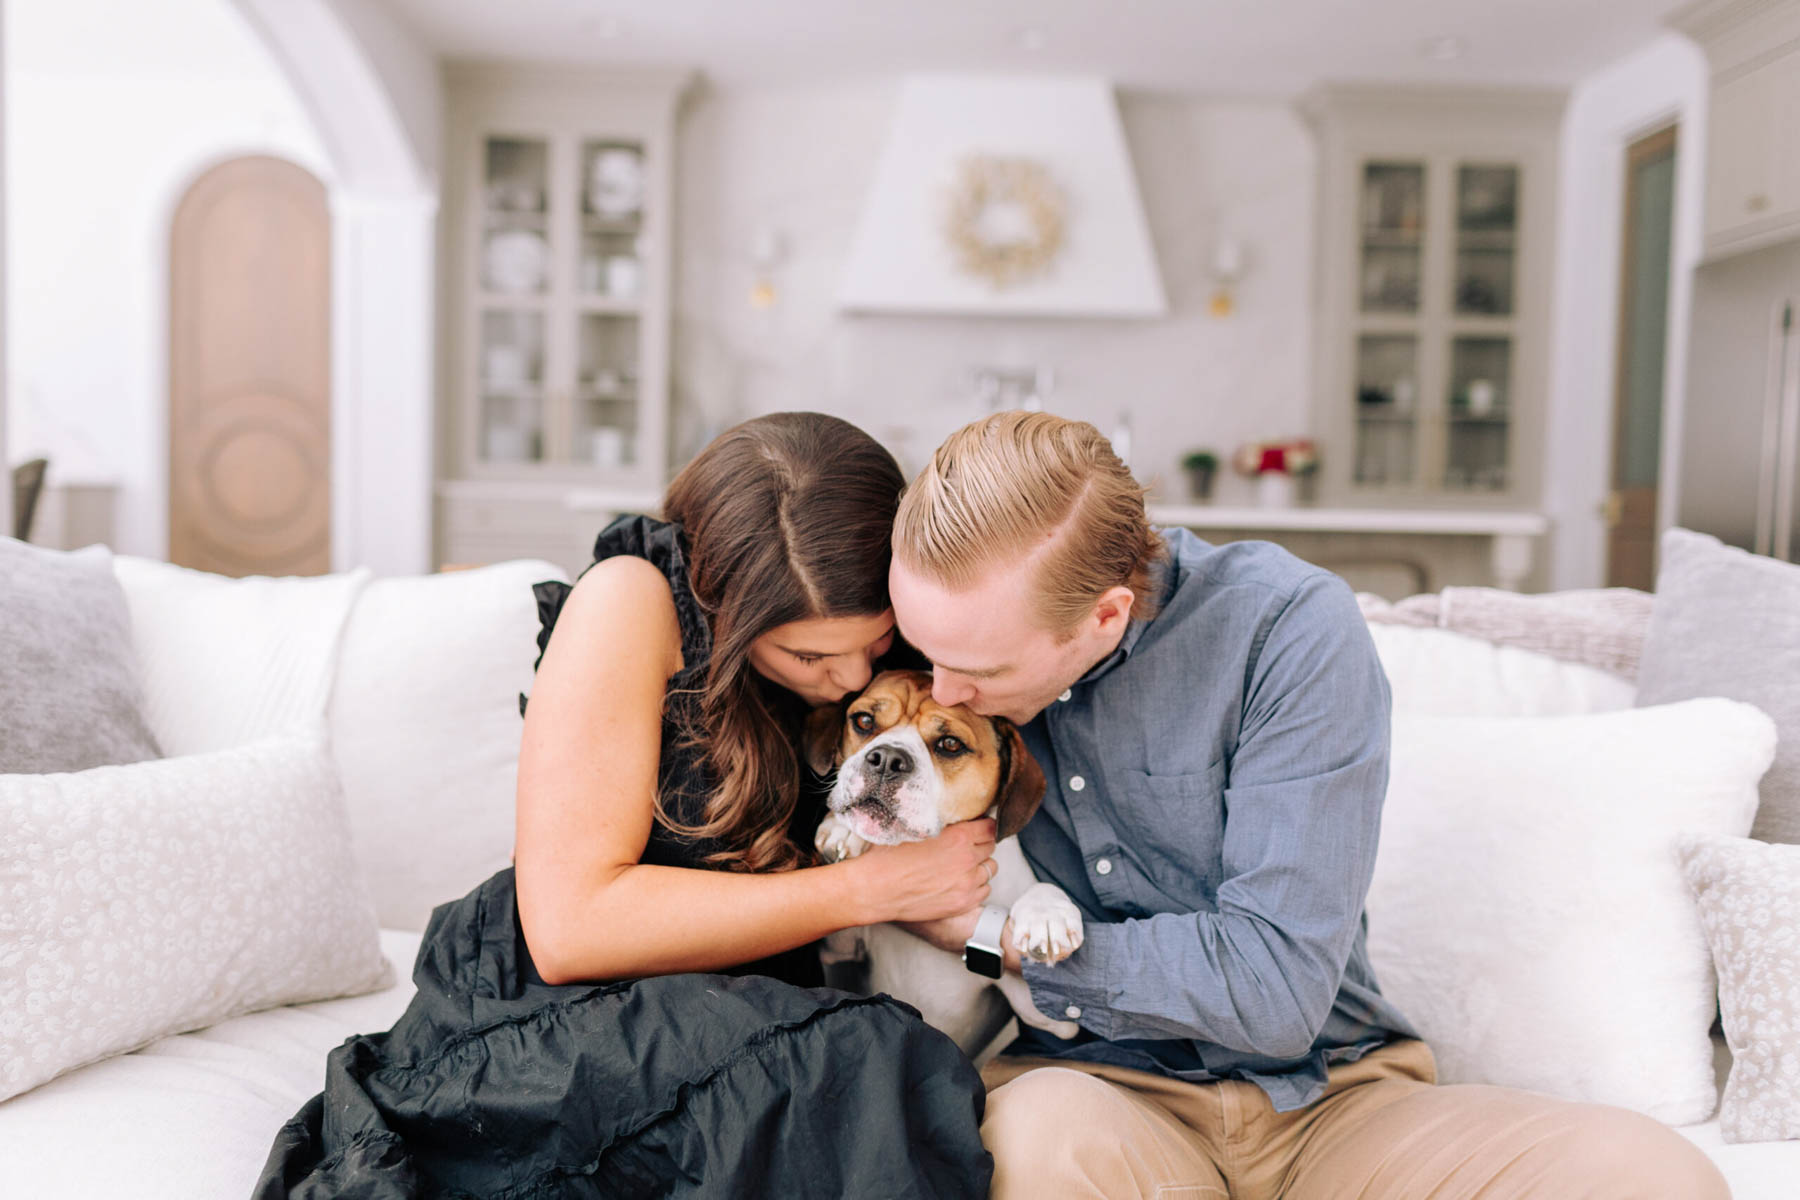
(250, 372)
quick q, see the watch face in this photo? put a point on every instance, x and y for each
(983, 962)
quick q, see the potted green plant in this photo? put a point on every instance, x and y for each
(1200, 466)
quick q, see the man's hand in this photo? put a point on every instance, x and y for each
(951, 933)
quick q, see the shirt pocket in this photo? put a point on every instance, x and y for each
(1174, 825)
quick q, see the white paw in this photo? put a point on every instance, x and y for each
(835, 841)
(1046, 925)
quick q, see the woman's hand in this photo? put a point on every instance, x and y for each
(924, 881)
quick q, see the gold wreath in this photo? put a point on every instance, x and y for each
(986, 179)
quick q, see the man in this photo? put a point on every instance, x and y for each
(1213, 725)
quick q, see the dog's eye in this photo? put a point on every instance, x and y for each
(950, 745)
(863, 722)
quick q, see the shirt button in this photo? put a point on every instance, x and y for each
(1103, 867)
(1066, 694)
(1076, 783)
(1072, 1012)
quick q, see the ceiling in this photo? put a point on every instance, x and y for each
(1211, 47)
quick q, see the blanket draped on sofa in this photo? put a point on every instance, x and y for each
(496, 1084)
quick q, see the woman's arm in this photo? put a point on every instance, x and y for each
(587, 778)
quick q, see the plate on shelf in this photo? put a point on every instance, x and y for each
(515, 260)
(615, 184)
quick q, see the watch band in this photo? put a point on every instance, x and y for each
(982, 953)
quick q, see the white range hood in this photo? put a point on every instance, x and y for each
(1066, 132)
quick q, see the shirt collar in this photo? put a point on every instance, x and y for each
(1163, 582)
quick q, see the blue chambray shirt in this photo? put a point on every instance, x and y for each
(1214, 799)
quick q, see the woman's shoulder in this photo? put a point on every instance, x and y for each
(630, 598)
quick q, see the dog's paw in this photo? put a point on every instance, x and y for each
(1046, 925)
(836, 841)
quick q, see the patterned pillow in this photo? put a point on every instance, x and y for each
(145, 900)
(1749, 895)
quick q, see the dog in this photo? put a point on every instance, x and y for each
(906, 767)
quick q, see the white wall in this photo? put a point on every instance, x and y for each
(1663, 83)
(800, 160)
(113, 110)
(374, 92)
(6, 520)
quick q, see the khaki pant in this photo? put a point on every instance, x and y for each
(1383, 1128)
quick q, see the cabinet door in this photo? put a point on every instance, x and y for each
(1784, 109)
(1478, 408)
(608, 208)
(1391, 264)
(511, 279)
(1741, 151)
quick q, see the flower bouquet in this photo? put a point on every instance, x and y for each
(1278, 467)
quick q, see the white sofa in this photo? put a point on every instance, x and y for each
(425, 727)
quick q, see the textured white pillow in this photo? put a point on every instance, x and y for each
(425, 724)
(1528, 911)
(226, 661)
(143, 900)
(1445, 674)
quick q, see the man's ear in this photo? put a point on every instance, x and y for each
(1021, 781)
(822, 740)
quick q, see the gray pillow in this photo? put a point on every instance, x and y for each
(69, 693)
(1727, 623)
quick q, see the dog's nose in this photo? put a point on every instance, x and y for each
(889, 760)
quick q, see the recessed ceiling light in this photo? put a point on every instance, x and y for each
(1445, 48)
(1033, 38)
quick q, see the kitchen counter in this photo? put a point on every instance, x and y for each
(1512, 535)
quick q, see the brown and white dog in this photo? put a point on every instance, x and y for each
(906, 767)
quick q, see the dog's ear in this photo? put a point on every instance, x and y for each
(822, 740)
(1021, 781)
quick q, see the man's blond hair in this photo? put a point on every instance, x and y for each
(1031, 485)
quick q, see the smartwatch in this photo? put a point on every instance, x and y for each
(982, 953)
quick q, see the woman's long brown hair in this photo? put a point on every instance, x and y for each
(787, 517)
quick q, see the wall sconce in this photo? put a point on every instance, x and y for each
(768, 250)
(1226, 268)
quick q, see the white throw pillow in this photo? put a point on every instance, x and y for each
(425, 723)
(227, 661)
(1528, 912)
(1445, 674)
(144, 900)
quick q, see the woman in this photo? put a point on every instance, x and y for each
(788, 520)
(663, 832)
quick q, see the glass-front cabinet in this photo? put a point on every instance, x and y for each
(557, 225)
(1433, 296)
(562, 371)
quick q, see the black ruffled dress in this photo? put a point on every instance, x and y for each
(753, 1082)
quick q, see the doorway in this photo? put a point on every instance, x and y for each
(1638, 380)
(250, 372)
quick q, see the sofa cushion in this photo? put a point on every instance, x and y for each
(1727, 623)
(227, 661)
(1749, 896)
(69, 693)
(1437, 672)
(138, 901)
(425, 725)
(189, 1117)
(1528, 913)
(1597, 627)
